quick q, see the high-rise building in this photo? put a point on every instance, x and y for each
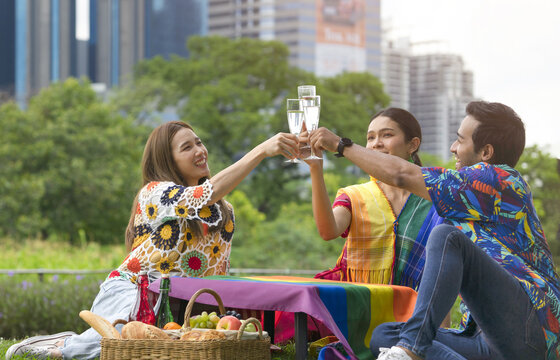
(440, 89)
(326, 37)
(116, 39)
(169, 23)
(395, 72)
(123, 32)
(38, 44)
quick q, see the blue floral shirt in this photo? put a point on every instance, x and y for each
(493, 206)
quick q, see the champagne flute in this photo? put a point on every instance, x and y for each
(312, 109)
(294, 109)
(306, 90)
(303, 92)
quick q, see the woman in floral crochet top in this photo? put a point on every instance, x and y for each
(179, 225)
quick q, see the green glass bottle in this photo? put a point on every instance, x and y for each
(164, 314)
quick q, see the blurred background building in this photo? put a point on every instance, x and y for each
(39, 45)
(435, 86)
(325, 37)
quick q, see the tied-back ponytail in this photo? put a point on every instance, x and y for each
(416, 158)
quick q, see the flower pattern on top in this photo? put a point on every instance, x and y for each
(165, 265)
(164, 241)
(134, 265)
(210, 215)
(189, 237)
(151, 211)
(227, 231)
(166, 235)
(198, 196)
(215, 249)
(194, 263)
(172, 195)
(181, 211)
(142, 232)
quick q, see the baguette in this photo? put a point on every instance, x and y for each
(99, 324)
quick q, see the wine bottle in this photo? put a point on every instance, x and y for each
(164, 314)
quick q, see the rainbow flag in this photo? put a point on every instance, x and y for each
(350, 310)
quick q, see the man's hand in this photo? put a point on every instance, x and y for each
(323, 139)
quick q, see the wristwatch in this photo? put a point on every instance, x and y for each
(344, 142)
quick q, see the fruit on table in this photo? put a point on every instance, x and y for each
(250, 327)
(229, 322)
(171, 326)
(204, 320)
(232, 313)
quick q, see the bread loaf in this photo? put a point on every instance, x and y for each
(134, 330)
(152, 332)
(196, 335)
(212, 335)
(191, 335)
(99, 324)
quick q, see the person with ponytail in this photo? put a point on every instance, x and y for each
(180, 225)
(385, 227)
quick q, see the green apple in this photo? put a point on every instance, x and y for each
(250, 327)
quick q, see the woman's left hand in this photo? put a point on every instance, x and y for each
(283, 144)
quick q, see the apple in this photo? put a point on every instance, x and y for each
(250, 327)
(228, 322)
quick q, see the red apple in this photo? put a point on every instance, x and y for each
(228, 322)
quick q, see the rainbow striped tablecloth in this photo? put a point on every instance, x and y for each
(350, 310)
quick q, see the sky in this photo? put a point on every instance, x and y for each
(511, 46)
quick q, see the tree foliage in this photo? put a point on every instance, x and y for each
(542, 172)
(233, 92)
(69, 166)
(70, 163)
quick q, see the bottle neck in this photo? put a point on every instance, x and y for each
(164, 285)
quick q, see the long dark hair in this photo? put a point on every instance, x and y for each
(407, 123)
(158, 165)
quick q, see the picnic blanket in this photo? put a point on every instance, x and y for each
(350, 310)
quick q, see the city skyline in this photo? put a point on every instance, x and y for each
(509, 46)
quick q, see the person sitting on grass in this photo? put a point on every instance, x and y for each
(491, 250)
(179, 225)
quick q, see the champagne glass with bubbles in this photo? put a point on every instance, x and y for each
(294, 109)
(311, 110)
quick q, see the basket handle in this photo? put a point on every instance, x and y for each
(119, 321)
(253, 321)
(186, 324)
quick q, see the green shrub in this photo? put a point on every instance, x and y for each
(31, 307)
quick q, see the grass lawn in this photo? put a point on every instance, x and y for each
(288, 351)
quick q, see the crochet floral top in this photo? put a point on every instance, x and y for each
(163, 242)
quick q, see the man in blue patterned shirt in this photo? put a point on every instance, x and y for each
(491, 250)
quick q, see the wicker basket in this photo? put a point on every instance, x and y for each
(148, 349)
